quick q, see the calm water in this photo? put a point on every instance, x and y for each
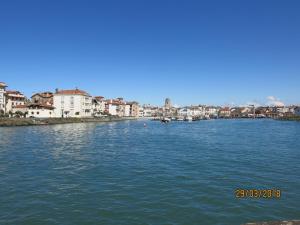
(122, 173)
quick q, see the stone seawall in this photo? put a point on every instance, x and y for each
(288, 222)
(290, 118)
(9, 122)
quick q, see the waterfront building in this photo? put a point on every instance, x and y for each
(20, 110)
(151, 111)
(44, 98)
(141, 112)
(134, 108)
(224, 112)
(111, 108)
(271, 112)
(297, 110)
(72, 103)
(248, 110)
(115, 107)
(147, 111)
(98, 105)
(2, 97)
(126, 110)
(37, 110)
(118, 107)
(12, 99)
(191, 111)
(236, 112)
(197, 111)
(121, 109)
(184, 112)
(211, 111)
(285, 110)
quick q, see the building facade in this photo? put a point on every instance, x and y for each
(40, 111)
(2, 97)
(13, 98)
(297, 110)
(44, 98)
(20, 111)
(133, 109)
(224, 112)
(98, 106)
(114, 107)
(72, 103)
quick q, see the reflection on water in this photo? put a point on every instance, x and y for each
(125, 173)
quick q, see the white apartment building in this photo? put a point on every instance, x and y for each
(141, 112)
(40, 111)
(115, 107)
(13, 98)
(194, 111)
(211, 111)
(72, 103)
(150, 111)
(112, 109)
(2, 96)
(127, 110)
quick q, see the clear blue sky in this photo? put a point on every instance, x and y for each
(210, 52)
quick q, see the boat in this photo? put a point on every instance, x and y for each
(189, 118)
(165, 120)
(180, 119)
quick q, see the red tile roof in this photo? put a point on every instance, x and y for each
(13, 92)
(44, 94)
(37, 105)
(72, 92)
(20, 106)
(99, 97)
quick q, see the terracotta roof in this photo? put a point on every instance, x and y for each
(115, 103)
(72, 92)
(99, 97)
(132, 103)
(37, 105)
(8, 93)
(20, 106)
(13, 92)
(47, 94)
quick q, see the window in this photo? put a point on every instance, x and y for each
(32, 113)
(72, 101)
(38, 113)
(50, 113)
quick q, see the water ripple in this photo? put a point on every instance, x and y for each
(124, 173)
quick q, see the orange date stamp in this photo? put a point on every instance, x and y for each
(258, 193)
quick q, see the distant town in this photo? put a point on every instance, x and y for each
(76, 103)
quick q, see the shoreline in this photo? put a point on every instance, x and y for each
(16, 122)
(290, 118)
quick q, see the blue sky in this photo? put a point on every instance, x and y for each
(208, 52)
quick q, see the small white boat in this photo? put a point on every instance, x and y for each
(189, 118)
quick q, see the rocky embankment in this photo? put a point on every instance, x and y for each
(290, 118)
(9, 122)
(290, 222)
